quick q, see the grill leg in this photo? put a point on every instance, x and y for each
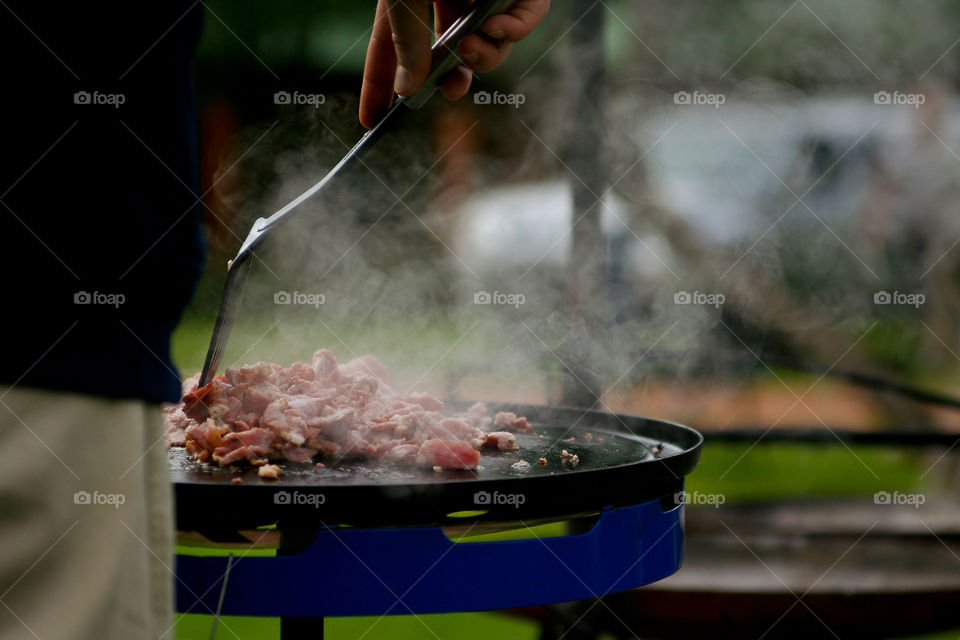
(293, 541)
(301, 628)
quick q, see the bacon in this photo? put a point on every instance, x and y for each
(175, 423)
(501, 440)
(264, 412)
(508, 421)
(449, 454)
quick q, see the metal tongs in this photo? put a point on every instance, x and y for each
(444, 59)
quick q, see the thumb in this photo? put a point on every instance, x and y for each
(410, 26)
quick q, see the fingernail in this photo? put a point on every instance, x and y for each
(401, 82)
(499, 34)
(472, 57)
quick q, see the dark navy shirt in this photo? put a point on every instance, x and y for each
(100, 240)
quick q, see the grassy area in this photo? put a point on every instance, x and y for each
(417, 352)
(787, 470)
(455, 626)
(462, 626)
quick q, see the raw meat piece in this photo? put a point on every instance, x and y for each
(175, 424)
(501, 440)
(508, 421)
(269, 471)
(450, 454)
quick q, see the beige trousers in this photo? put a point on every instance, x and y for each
(86, 523)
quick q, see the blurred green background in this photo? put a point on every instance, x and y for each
(703, 198)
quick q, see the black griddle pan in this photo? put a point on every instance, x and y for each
(625, 460)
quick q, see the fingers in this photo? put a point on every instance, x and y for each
(398, 56)
(447, 12)
(516, 24)
(456, 85)
(484, 54)
(457, 82)
(376, 93)
(410, 25)
(481, 54)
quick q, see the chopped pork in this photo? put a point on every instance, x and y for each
(265, 412)
(508, 421)
(270, 471)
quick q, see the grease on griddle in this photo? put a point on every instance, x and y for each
(521, 465)
(547, 444)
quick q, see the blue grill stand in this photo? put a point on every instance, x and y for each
(355, 572)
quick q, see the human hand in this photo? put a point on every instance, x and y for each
(398, 56)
